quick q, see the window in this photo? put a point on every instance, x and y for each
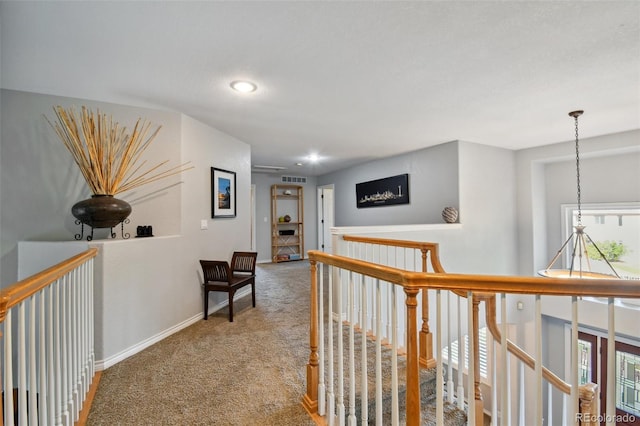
(628, 382)
(615, 229)
(585, 355)
(482, 349)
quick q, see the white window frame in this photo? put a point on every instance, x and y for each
(567, 223)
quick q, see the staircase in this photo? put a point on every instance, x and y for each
(453, 416)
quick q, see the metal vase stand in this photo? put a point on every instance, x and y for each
(125, 235)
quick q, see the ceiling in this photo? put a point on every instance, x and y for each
(350, 81)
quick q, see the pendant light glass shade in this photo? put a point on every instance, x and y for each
(580, 265)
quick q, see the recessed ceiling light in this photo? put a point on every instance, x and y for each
(298, 164)
(313, 158)
(243, 86)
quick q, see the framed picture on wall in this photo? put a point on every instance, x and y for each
(383, 192)
(223, 193)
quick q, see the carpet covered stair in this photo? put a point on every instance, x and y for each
(452, 415)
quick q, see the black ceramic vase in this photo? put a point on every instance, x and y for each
(101, 211)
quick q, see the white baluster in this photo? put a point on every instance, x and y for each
(90, 320)
(574, 405)
(471, 416)
(321, 349)
(521, 387)
(364, 384)
(505, 383)
(8, 367)
(494, 383)
(331, 409)
(538, 370)
(450, 384)
(42, 357)
(549, 404)
(339, 336)
(52, 407)
(378, 303)
(439, 378)
(611, 363)
(22, 364)
(395, 410)
(77, 382)
(461, 349)
(33, 371)
(68, 355)
(352, 352)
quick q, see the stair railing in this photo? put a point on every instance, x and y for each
(325, 395)
(47, 336)
(406, 255)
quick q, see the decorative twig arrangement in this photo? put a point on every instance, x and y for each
(107, 156)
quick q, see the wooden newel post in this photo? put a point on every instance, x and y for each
(310, 400)
(479, 405)
(426, 338)
(413, 367)
(588, 407)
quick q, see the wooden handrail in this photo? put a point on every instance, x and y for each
(26, 288)
(483, 287)
(486, 283)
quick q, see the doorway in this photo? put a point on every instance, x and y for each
(325, 217)
(593, 368)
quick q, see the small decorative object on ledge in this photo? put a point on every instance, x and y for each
(144, 231)
(109, 160)
(450, 214)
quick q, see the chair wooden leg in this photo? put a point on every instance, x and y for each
(231, 306)
(206, 303)
(253, 293)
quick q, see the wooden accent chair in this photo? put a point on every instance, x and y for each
(219, 276)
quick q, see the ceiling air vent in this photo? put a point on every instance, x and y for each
(294, 179)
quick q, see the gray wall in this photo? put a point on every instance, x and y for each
(40, 182)
(433, 185)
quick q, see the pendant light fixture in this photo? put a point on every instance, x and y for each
(580, 266)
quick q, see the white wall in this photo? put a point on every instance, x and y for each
(606, 179)
(603, 180)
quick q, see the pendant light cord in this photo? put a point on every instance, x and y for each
(575, 115)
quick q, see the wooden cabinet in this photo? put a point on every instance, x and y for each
(287, 223)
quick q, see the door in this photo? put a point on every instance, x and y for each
(627, 382)
(627, 376)
(325, 218)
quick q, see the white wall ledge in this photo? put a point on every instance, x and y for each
(345, 230)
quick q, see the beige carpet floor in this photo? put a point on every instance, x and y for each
(249, 372)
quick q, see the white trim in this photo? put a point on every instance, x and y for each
(341, 230)
(103, 364)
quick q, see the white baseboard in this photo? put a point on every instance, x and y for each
(103, 364)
